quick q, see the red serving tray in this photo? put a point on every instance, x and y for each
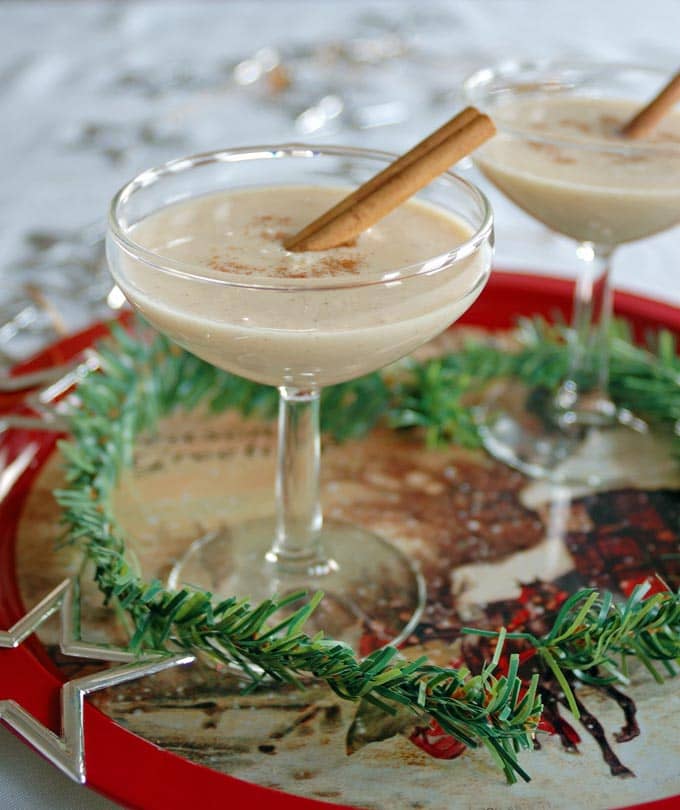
(119, 763)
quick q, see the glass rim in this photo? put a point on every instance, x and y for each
(428, 266)
(512, 69)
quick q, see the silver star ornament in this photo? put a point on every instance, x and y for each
(67, 750)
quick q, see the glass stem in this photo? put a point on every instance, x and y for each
(298, 508)
(583, 398)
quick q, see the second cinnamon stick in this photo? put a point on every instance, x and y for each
(650, 115)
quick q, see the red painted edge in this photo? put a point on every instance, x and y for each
(27, 675)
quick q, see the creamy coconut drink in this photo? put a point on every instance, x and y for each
(340, 316)
(243, 258)
(592, 150)
(593, 185)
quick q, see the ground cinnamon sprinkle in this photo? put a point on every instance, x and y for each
(277, 236)
(539, 146)
(263, 218)
(229, 266)
(625, 158)
(582, 126)
(610, 121)
(269, 220)
(334, 265)
(668, 136)
(552, 152)
(328, 266)
(278, 79)
(269, 230)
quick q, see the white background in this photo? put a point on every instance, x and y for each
(82, 85)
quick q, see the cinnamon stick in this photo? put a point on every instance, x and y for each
(396, 183)
(456, 123)
(647, 119)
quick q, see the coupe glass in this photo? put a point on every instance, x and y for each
(568, 438)
(344, 328)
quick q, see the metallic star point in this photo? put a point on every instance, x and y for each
(67, 750)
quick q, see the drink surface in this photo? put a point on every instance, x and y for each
(330, 316)
(240, 233)
(590, 184)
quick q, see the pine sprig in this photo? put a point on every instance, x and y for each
(143, 380)
(138, 384)
(435, 395)
(594, 637)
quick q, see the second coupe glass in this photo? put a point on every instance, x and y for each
(558, 156)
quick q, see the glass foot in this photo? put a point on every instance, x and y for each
(518, 428)
(373, 595)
